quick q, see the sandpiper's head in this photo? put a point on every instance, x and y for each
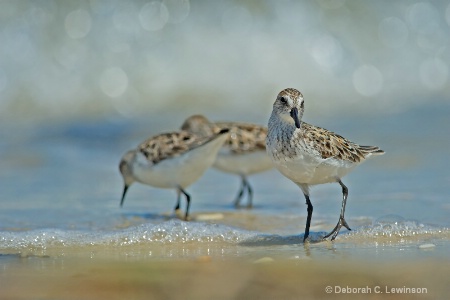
(126, 170)
(199, 125)
(289, 106)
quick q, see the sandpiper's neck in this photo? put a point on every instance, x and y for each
(285, 124)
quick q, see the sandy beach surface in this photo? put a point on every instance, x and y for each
(174, 259)
(206, 277)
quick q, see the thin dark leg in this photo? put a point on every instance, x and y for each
(344, 198)
(308, 218)
(188, 202)
(249, 194)
(237, 201)
(177, 206)
(341, 221)
(125, 189)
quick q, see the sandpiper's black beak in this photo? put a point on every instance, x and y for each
(125, 188)
(294, 115)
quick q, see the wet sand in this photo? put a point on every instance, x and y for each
(206, 277)
(179, 260)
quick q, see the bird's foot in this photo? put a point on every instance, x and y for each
(178, 213)
(306, 237)
(336, 229)
(237, 205)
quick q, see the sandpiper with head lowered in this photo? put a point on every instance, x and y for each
(310, 155)
(243, 153)
(171, 160)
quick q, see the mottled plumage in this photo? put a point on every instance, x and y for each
(310, 155)
(171, 160)
(244, 137)
(328, 144)
(243, 153)
(167, 145)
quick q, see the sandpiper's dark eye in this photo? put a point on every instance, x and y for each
(283, 99)
(302, 104)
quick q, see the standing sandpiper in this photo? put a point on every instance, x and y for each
(243, 153)
(310, 155)
(171, 160)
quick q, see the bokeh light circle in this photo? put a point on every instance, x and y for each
(78, 24)
(434, 73)
(368, 80)
(114, 82)
(153, 16)
(178, 10)
(421, 14)
(327, 51)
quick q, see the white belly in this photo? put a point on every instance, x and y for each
(243, 164)
(308, 169)
(181, 170)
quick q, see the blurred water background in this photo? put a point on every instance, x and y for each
(81, 82)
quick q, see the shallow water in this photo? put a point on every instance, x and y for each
(60, 210)
(61, 189)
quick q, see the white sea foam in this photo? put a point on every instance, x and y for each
(176, 232)
(169, 232)
(396, 227)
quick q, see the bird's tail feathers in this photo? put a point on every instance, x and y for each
(371, 150)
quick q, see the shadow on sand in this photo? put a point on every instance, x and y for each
(149, 216)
